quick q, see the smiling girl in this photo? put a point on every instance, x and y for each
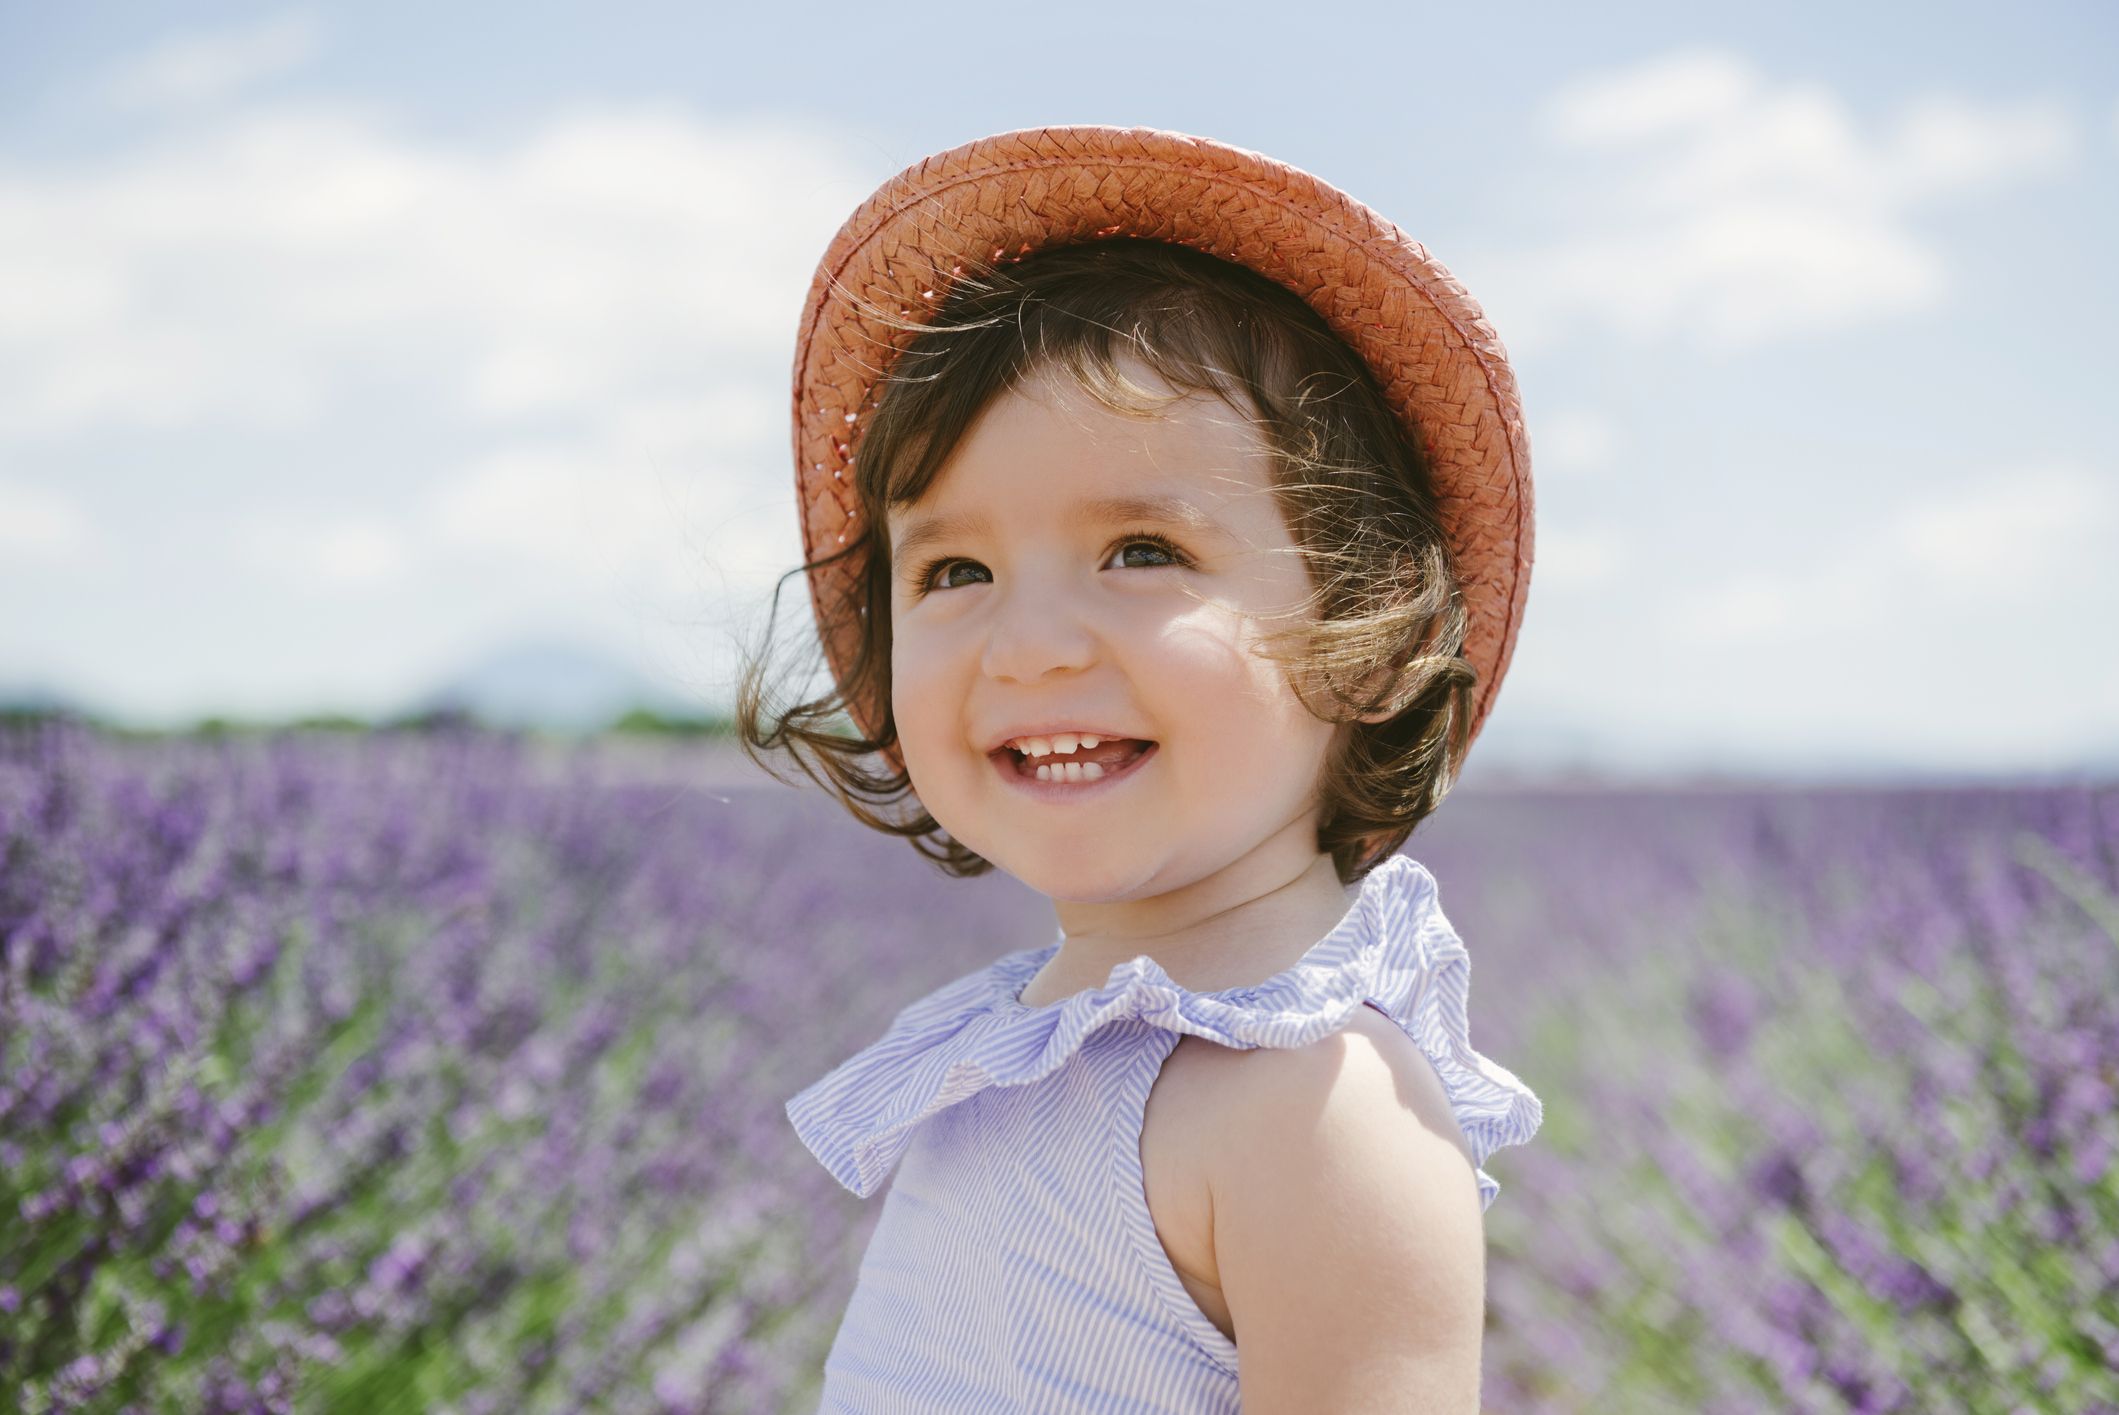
(1168, 519)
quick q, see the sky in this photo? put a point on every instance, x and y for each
(342, 345)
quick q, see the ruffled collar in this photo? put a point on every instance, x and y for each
(1393, 947)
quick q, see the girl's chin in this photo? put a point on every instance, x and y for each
(1108, 880)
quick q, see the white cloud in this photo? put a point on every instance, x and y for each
(497, 378)
(2041, 528)
(1576, 558)
(543, 505)
(1676, 91)
(1704, 203)
(2030, 538)
(732, 417)
(653, 508)
(1572, 441)
(1943, 144)
(1747, 606)
(44, 527)
(266, 267)
(346, 552)
(602, 516)
(203, 68)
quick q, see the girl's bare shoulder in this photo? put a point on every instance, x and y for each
(1369, 1070)
(1345, 1213)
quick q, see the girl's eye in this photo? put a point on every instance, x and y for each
(1170, 553)
(1158, 545)
(946, 567)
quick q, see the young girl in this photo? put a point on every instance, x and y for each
(1168, 523)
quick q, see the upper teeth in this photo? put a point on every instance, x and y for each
(1064, 743)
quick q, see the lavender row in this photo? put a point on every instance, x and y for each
(435, 1072)
(1829, 1080)
(444, 1071)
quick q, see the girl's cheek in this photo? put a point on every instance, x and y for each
(910, 656)
(915, 689)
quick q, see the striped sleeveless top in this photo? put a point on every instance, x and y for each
(1014, 1265)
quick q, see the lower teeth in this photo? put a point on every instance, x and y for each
(1071, 771)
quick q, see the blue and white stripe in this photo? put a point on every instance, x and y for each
(1015, 1264)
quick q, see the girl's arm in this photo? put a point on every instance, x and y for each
(1347, 1227)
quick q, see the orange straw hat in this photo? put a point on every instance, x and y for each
(1438, 361)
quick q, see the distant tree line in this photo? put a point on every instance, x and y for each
(637, 722)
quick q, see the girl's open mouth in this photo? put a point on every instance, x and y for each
(1063, 776)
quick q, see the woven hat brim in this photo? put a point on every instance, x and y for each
(1439, 362)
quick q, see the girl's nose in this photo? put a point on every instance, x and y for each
(1035, 634)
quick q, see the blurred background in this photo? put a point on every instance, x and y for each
(359, 359)
(403, 976)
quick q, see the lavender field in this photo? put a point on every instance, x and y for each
(443, 1072)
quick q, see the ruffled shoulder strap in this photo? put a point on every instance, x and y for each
(1426, 989)
(941, 1049)
(1393, 947)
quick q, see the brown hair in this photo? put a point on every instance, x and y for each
(1383, 628)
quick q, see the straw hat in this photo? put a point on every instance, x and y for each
(1438, 361)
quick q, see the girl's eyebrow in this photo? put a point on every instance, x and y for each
(1154, 509)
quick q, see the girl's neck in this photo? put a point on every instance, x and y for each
(1234, 928)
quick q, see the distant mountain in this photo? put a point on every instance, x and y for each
(42, 697)
(556, 685)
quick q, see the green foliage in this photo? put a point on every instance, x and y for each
(635, 722)
(645, 722)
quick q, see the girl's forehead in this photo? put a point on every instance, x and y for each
(1063, 442)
